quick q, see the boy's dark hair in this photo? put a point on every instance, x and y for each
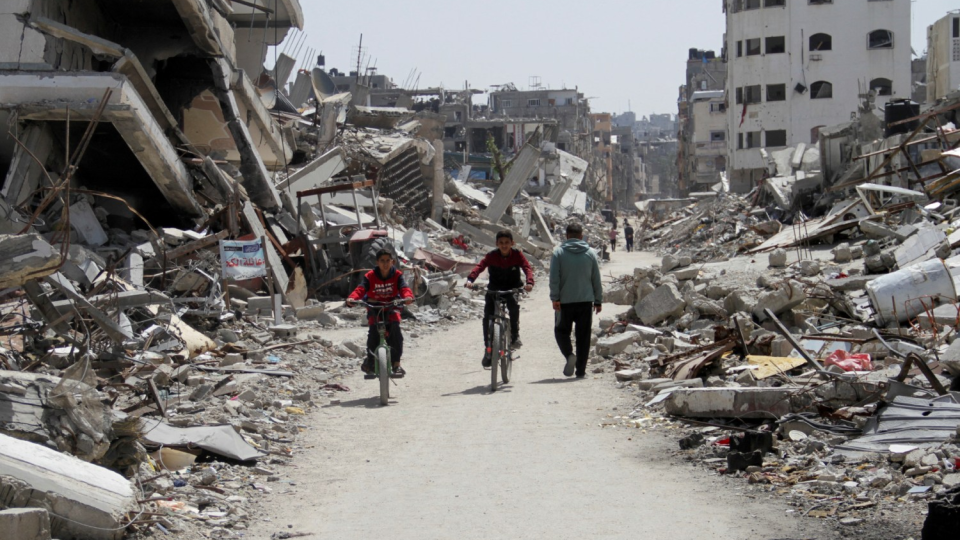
(505, 234)
(383, 252)
(574, 229)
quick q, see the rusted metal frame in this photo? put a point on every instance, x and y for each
(926, 116)
(793, 341)
(335, 189)
(915, 359)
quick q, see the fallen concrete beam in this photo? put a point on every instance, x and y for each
(766, 403)
(255, 177)
(543, 231)
(523, 166)
(106, 323)
(24, 174)
(276, 152)
(26, 257)
(46, 96)
(315, 173)
(84, 500)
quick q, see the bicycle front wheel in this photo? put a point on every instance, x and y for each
(496, 354)
(383, 372)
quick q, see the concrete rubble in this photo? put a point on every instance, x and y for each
(813, 353)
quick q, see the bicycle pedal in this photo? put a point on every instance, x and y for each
(369, 376)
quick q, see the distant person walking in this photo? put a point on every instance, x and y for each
(576, 293)
(613, 238)
(628, 236)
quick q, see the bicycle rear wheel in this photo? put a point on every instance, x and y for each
(496, 353)
(506, 361)
(383, 372)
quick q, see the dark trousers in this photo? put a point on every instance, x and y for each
(629, 243)
(581, 315)
(513, 308)
(394, 340)
(613, 245)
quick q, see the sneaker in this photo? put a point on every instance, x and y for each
(367, 369)
(516, 344)
(581, 375)
(571, 365)
(486, 363)
(398, 372)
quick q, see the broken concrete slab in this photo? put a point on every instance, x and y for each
(26, 257)
(736, 402)
(47, 96)
(663, 303)
(788, 296)
(84, 500)
(25, 524)
(221, 440)
(523, 167)
(616, 344)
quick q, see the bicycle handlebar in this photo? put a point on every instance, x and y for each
(505, 293)
(379, 305)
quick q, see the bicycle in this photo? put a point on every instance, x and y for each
(382, 365)
(499, 350)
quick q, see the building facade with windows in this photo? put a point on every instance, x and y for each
(943, 57)
(795, 66)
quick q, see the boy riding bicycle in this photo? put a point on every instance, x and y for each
(504, 265)
(383, 284)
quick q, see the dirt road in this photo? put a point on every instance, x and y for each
(447, 459)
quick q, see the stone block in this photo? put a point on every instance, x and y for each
(716, 291)
(663, 303)
(669, 263)
(629, 375)
(736, 402)
(231, 359)
(685, 261)
(25, 524)
(810, 268)
(740, 301)
(778, 258)
(620, 294)
(646, 333)
(786, 297)
(283, 330)
(842, 253)
(648, 384)
(686, 274)
(613, 345)
(310, 313)
(685, 383)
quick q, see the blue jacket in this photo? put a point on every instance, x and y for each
(575, 274)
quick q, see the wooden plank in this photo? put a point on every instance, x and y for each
(26, 257)
(773, 365)
(196, 245)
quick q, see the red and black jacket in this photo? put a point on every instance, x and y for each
(504, 271)
(374, 288)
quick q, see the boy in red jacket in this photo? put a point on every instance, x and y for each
(504, 265)
(383, 284)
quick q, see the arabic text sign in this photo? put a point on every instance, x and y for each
(243, 259)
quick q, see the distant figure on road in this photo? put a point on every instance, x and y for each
(628, 236)
(576, 292)
(613, 238)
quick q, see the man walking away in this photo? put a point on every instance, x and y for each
(576, 293)
(628, 236)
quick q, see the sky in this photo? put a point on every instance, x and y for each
(620, 53)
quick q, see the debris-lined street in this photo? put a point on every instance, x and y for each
(533, 460)
(218, 226)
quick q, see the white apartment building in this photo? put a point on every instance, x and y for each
(943, 57)
(709, 111)
(795, 66)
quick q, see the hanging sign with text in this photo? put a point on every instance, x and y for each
(243, 259)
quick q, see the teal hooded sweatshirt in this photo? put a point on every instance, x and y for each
(575, 274)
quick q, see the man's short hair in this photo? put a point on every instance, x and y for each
(383, 252)
(505, 234)
(574, 229)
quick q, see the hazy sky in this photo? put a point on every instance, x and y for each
(618, 51)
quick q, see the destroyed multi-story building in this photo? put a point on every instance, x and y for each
(702, 119)
(794, 67)
(567, 106)
(177, 77)
(943, 57)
